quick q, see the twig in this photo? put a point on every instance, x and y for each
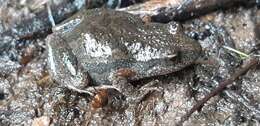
(195, 8)
(50, 16)
(219, 89)
(242, 54)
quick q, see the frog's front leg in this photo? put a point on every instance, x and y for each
(147, 89)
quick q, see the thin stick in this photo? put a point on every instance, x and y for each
(218, 90)
(50, 16)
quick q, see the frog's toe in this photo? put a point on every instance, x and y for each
(151, 86)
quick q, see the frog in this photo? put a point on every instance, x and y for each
(104, 47)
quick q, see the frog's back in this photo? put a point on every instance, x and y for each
(106, 40)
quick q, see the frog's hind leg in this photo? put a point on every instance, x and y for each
(134, 95)
(121, 93)
(146, 90)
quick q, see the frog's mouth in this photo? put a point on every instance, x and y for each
(171, 56)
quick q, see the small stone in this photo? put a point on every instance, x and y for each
(41, 121)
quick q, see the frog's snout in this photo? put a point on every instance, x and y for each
(191, 50)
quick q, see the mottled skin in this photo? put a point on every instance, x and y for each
(100, 42)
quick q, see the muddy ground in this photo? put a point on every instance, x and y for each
(28, 96)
